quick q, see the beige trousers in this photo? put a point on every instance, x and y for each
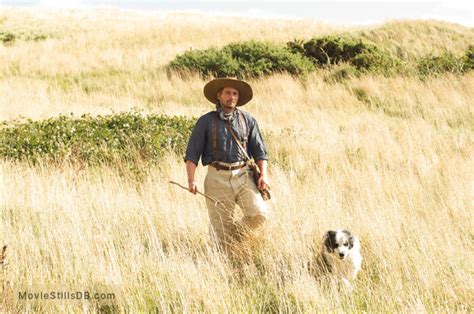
(233, 187)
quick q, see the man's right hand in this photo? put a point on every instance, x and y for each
(192, 187)
(190, 170)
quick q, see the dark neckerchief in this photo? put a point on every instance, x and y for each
(227, 116)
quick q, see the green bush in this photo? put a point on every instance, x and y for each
(435, 65)
(375, 60)
(7, 37)
(296, 46)
(333, 50)
(247, 59)
(35, 37)
(206, 62)
(258, 59)
(469, 59)
(128, 137)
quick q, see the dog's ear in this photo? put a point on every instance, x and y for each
(351, 241)
(330, 240)
(350, 237)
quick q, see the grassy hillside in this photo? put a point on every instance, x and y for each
(386, 157)
(418, 38)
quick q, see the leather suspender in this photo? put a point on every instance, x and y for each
(215, 150)
(243, 122)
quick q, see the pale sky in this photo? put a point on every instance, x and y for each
(348, 12)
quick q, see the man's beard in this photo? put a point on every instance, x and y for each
(228, 105)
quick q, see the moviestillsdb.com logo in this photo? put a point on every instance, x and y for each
(64, 295)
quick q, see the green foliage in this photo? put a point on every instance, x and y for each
(469, 59)
(296, 46)
(128, 137)
(258, 59)
(435, 65)
(206, 62)
(33, 36)
(378, 61)
(7, 37)
(334, 50)
(247, 59)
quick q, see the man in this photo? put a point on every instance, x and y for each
(229, 179)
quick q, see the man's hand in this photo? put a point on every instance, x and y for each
(192, 187)
(190, 170)
(263, 182)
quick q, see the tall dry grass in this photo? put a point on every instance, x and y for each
(388, 158)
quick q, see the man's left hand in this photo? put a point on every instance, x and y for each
(263, 182)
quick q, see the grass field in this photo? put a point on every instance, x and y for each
(386, 157)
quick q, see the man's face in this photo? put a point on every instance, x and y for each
(228, 98)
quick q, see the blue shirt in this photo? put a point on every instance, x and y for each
(200, 142)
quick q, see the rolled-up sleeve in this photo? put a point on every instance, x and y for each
(256, 144)
(196, 143)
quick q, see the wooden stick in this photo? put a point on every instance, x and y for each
(206, 196)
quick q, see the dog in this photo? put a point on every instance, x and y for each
(340, 255)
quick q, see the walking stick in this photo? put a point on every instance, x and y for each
(206, 196)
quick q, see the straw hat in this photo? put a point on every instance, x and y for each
(211, 89)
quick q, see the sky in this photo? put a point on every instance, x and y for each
(347, 12)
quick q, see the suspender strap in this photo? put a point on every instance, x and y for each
(243, 122)
(215, 151)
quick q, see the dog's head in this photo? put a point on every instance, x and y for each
(339, 242)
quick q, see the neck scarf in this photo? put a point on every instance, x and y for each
(226, 116)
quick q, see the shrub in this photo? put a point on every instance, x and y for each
(435, 65)
(206, 62)
(248, 59)
(469, 59)
(7, 37)
(296, 46)
(259, 59)
(35, 37)
(375, 60)
(127, 137)
(332, 50)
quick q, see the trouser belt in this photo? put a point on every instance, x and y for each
(221, 166)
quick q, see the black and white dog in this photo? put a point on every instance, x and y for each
(341, 254)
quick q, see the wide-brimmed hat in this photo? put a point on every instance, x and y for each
(245, 91)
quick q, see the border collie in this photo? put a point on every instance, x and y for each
(341, 255)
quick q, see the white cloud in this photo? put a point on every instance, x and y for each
(349, 12)
(60, 4)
